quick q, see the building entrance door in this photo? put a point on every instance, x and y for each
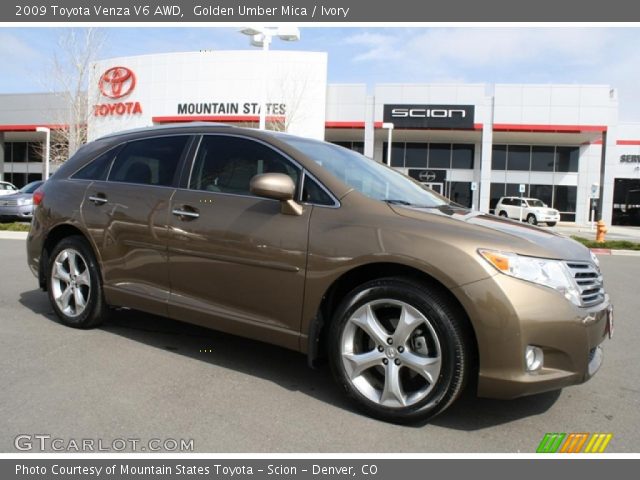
(435, 186)
(626, 202)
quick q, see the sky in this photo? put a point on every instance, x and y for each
(542, 55)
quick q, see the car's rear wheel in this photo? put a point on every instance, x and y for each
(503, 214)
(74, 284)
(531, 219)
(399, 349)
(551, 224)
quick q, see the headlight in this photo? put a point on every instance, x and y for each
(543, 271)
(596, 262)
(25, 201)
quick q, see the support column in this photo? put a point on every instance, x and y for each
(608, 163)
(369, 130)
(1, 155)
(485, 160)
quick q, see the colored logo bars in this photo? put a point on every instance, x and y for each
(574, 443)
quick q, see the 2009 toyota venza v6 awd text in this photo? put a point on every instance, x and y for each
(316, 248)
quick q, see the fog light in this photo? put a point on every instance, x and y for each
(534, 358)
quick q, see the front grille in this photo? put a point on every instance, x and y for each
(8, 203)
(589, 281)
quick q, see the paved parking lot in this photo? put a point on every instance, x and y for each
(144, 377)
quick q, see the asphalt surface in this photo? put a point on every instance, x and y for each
(144, 377)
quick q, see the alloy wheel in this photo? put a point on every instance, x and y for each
(70, 282)
(391, 353)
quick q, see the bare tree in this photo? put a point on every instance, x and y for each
(69, 75)
(289, 90)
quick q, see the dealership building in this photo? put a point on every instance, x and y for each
(474, 143)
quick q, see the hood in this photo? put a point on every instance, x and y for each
(17, 196)
(507, 235)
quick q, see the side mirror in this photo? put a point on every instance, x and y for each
(277, 186)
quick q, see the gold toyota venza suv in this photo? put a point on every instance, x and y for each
(319, 249)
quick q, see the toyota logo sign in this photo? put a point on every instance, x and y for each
(117, 82)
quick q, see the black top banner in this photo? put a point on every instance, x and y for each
(430, 116)
(315, 11)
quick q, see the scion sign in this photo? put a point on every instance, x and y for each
(430, 116)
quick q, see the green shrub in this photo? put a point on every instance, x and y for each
(610, 244)
(15, 227)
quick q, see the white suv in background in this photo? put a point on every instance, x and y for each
(7, 188)
(534, 211)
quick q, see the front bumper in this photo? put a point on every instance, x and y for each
(548, 218)
(508, 314)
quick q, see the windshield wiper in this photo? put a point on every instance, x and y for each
(396, 202)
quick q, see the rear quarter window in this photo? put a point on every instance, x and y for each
(97, 169)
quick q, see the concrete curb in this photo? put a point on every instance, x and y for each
(607, 251)
(7, 235)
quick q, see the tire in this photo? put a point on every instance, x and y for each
(503, 214)
(531, 219)
(74, 284)
(424, 368)
(551, 224)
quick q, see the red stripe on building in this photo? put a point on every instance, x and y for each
(349, 124)
(358, 124)
(215, 118)
(514, 127)
(30, 128)
(628, 142)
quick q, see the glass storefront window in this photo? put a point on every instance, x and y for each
(499, 157)
(460, 192)
(564, 198)
(358, 147)
(568, 158)
(542, 159)
(397, 154)
(416, 155)
(355, 146)
(497, 191)
(462, 156)
(19, 152)
(8, 148)
(519, 157)
(543, 192)
(513, 190)
(440, 155)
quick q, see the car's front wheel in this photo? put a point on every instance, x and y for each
(74, 284)
(551, 224)
(399, 349)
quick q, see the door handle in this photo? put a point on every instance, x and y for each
(98, 199)
(189, 214)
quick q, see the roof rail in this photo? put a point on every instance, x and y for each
(165, 126)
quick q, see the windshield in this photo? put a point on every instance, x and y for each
(367, 176)
(535, 203)
(30, 187)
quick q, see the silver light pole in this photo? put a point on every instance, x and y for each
(261, 37)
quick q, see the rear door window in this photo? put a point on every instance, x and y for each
(152, 161)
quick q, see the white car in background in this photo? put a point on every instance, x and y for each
(534, 211)
(7, 188)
